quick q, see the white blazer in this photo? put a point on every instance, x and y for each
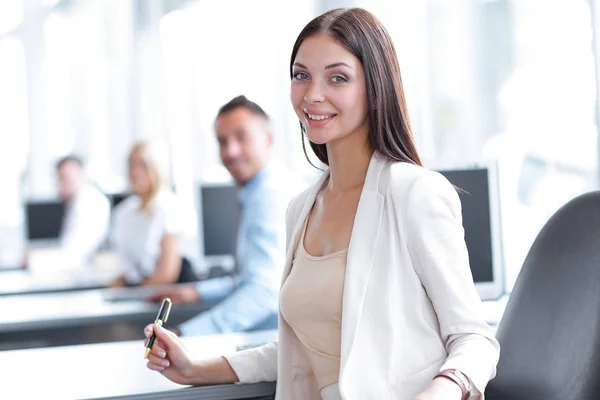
(410, 308)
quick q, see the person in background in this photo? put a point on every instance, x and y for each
(154, 232)
(86, 221)
(377, 300)
(249, 299)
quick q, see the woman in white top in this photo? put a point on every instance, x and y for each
(154, 233)
(377, 300)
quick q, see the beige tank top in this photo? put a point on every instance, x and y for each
(311, 303)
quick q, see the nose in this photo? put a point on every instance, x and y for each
(231, 150)
(314, 93)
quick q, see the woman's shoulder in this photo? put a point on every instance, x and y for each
(166, 199)
(298, 200)
(127, 207)
(171, 205)
(405, 179)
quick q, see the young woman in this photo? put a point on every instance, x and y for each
(377, 300)
(154, 234)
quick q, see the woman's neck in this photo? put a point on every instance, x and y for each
(348, 163)
(146, 198)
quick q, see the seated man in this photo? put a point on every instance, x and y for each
(87, 214)
(250, 299)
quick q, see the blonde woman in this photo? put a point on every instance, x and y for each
(153, 232)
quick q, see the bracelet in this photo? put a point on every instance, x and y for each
(460, 379)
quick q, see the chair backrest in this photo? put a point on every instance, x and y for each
(550, 332)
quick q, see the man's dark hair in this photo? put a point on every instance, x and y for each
(242, 102)
(69, 158)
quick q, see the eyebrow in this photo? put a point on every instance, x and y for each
(330, 66)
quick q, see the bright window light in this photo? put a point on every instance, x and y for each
(11, 15)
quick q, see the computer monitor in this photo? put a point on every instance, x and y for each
(117, 198)
(480, 211)
(44, 219)
(219, 218)
(478, 192)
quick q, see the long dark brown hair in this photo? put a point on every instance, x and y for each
(363, 35)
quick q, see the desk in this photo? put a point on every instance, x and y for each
(46, 274)
(18, 281)
(105, 370)
(9, 267)
(66, 318)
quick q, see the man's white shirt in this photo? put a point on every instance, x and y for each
(85, 226)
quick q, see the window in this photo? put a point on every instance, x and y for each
(210, 60)
(86, 93)
(546, 138)
(11, 15)
(59, 137)
(14, 135)
(496, 80)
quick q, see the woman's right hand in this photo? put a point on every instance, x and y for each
(168, 356)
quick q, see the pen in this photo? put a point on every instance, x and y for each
(161, 319)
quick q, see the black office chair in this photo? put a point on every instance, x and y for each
(550, 332)
(187, 273)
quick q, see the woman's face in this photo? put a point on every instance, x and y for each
(328, 90)
(140, 176)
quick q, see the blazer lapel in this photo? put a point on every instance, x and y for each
(361, 252)
(306, 207)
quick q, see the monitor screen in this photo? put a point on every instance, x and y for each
(220, 215)
(117, 198)
(44, 219)
(219, 218)
(477, 193)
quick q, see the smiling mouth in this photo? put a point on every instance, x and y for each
(315, 117)
(233, 164)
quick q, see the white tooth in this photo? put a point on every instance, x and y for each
(318, 117)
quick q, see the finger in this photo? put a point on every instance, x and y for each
(176, 340)
(155, 367)
(166, 336)
(157, 346)
(165, 341)
(158, 349)
(169, 332)
(163, 362)
(148, 329)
